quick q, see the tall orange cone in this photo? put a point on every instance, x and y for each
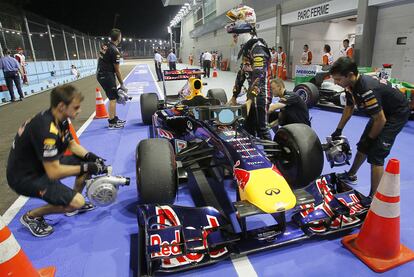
(100, 106)
(378, 243)
(74, 135)
(13, 260)
(215, 73)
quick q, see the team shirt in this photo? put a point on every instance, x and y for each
(295, 111)
(108, 58)
(372, 96)
(38, 140)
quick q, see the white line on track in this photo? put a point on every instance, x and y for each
(21, 200)
(243, 267)
(160, 93)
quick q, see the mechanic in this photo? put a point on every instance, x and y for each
(292, 107)
(11, 69)
(306, 58)
(207, 57)
(388, 109)
(36, 162)
(281, 63)
(108, 68)
(158, 62)
(347, 51)
(327, 58)
(19, 56)
(255, 68)
(273, 58)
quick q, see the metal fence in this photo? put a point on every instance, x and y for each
(45, 40)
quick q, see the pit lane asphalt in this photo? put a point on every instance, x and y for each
(14, 114)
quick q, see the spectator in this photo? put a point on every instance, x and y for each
(327, 58)
(75, 71)
(158, 62)
(306, 58)
(347, 51)
(19, 56)
(190, 59)
(172, 60)
(281, 63)
(107, 71)
(36, 162)
(207, 63)
(292, 108)
(11, 68)
(387, 108)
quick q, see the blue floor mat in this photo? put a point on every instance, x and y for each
(104, 242)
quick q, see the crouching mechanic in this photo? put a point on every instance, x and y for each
(389, 112)
(255, 68)
(292, 108)
(36, 162)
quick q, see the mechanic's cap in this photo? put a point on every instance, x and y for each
(19, 49)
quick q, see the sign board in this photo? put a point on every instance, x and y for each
(307, 70)
(320, 11)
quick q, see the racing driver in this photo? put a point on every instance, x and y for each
(255, 68)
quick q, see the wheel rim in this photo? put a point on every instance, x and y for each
(303, 94)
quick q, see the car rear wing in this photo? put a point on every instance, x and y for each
(182, 74)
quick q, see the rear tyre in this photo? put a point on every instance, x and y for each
(149, 105)
(302, 159)
(308, 92)
(156, 172)
(219, 94)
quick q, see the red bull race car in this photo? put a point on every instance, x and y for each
(233, 178)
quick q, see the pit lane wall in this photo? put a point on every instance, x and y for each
(374, 20)
(44, 75)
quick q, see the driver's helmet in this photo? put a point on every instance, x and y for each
(243, 20)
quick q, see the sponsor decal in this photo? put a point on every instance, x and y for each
(49, 141)
(53, 129)
(242, 176)
(49, 150)
(272, 191)
(180, 145)
(167, 216)
(165, 134)
(189, 125)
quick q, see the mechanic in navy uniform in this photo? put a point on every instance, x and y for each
(292, 107)
(255, 68)
(36, 162)
(389, 112)
(108, 69)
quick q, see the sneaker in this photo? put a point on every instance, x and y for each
(37, 225)
(85, 208)
(347, 179)
(119, 120)
(113, 124)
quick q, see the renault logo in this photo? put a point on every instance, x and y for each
(272, 191)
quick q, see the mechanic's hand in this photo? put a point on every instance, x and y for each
(365, 144)
(123, 87)
(92, 157)
(93, 168)
(335, 135)
(232, 102)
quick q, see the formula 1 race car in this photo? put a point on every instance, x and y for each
(325, 94)
(232, 178)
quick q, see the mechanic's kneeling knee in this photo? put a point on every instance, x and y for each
(77, 202)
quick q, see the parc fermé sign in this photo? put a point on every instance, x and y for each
(319, 11)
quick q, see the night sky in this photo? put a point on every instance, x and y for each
(138, 18)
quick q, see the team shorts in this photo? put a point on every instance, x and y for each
(382, 145)
(53, 192)
(108, 83)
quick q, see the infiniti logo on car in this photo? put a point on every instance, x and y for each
(272, 191)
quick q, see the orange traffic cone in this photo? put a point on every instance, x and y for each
(215, 73)
(100, 106)
(74, 135)
(378, 243)
(13, 260)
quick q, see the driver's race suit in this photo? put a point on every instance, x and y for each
(257, 53)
